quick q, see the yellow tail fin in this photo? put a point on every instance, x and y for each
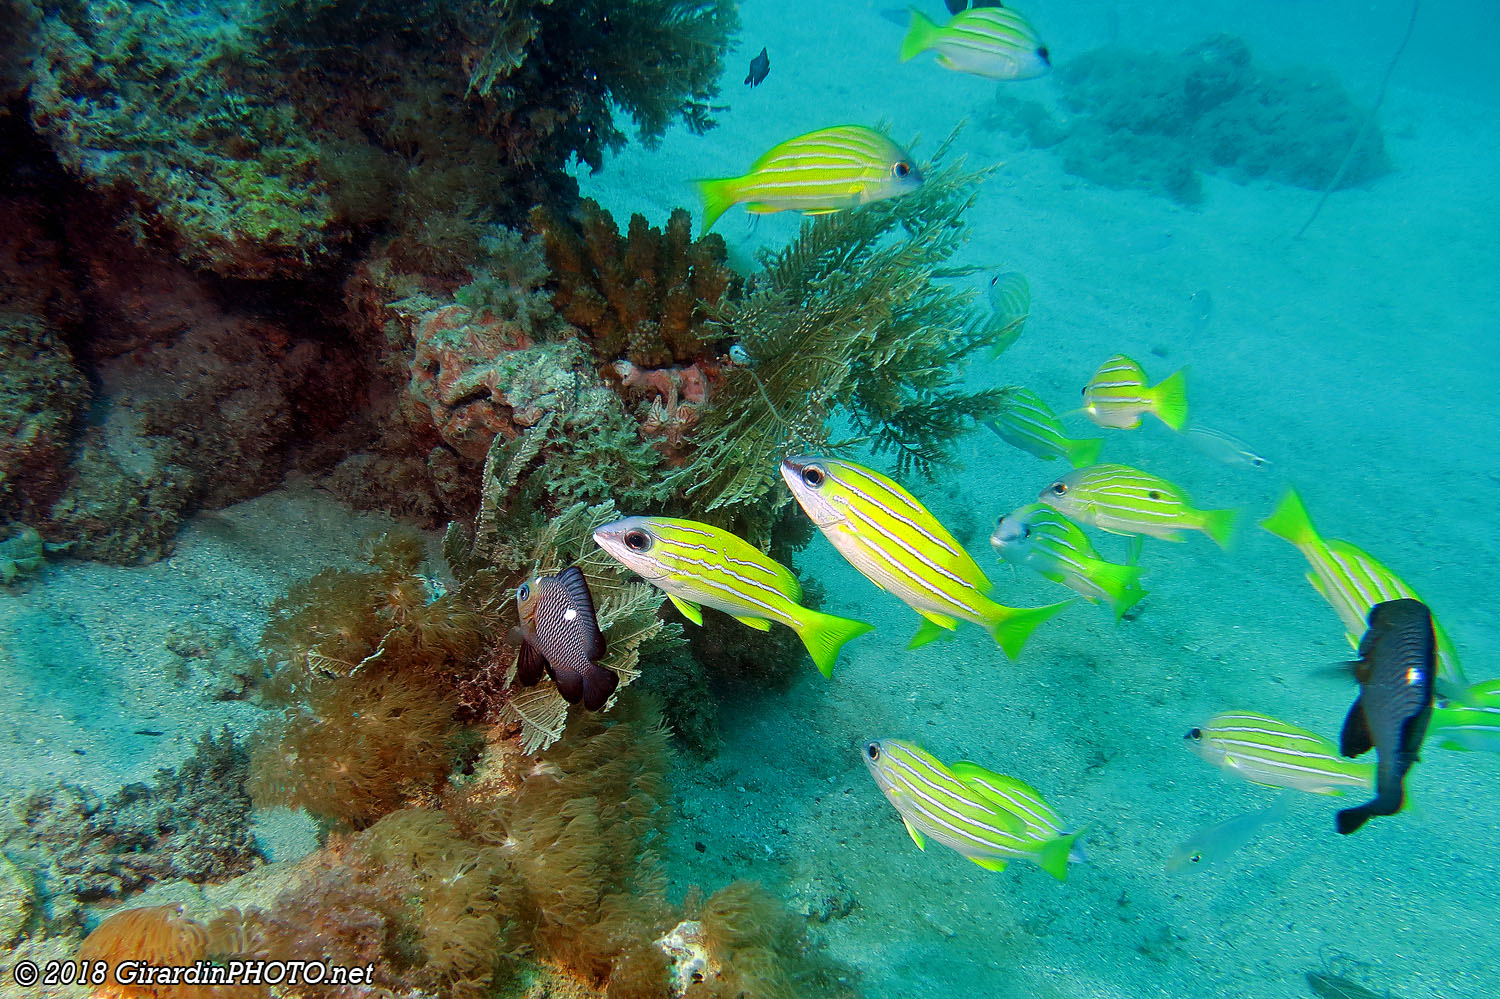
(1171, 400)
(824, 635)
(718, 195)
(919, 36)
(1290, 521)
(1013, 625)
(1219, 525)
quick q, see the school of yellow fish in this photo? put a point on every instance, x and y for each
(899, 545)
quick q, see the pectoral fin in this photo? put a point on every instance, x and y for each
(936, 626)
(689, 610)
(1355, 738)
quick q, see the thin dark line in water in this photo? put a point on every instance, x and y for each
(1369, 120)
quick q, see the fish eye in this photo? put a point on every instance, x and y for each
(1060, 488)
(902, 169)
(524, 592)
(1195, 734)
(1195, 858)
(637, 540)
(873, 750)
(812, 476)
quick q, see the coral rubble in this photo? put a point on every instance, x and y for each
(1156, 122)
(190, 824)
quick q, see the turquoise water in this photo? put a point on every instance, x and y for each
(1359, 358)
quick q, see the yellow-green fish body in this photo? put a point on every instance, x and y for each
(699, 564)
(1125, 500)
(936, 804)
(1458, 726)
(1118, 394)
(1028, 423)
(1352, 581)
(1010, 305)
(1267, 751)
(823, 171)
(992, 42)
(1042, 821)
(902, 548)
(1049, 544)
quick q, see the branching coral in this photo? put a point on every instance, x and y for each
(849, 316)
(642, 296)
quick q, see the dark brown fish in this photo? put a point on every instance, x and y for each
(560, 634)
(759, 67)
(1396, 669)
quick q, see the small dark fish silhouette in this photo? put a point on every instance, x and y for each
(1338, 987)
(1396, 669)
(560, 634)
(759, 67)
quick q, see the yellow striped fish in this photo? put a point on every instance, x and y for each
(1051, 545)
(1028, 423)
(900, 547)
(934, 803)
(1010, 306)
(1351, 581)
(1042, 821)
(1125, 500)
(1117, 395)
(698, 564)
(817, 173)
(992, 42)
(1468, 728)
(1264, 750)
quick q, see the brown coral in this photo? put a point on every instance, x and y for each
(641, 295)
(372, 661)
(162, 936)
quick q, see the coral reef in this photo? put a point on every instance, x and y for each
(42, 398)
(1156, 122)
(218, 141)
(382, 669)
(22, 552)
(740, 941)
(538, 874)
(190, 824)
(643, 297)
(163, 936)
(847, 317)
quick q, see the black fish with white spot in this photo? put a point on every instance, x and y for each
(560, 635)
(1396, 668)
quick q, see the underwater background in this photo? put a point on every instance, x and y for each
(288, 287)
